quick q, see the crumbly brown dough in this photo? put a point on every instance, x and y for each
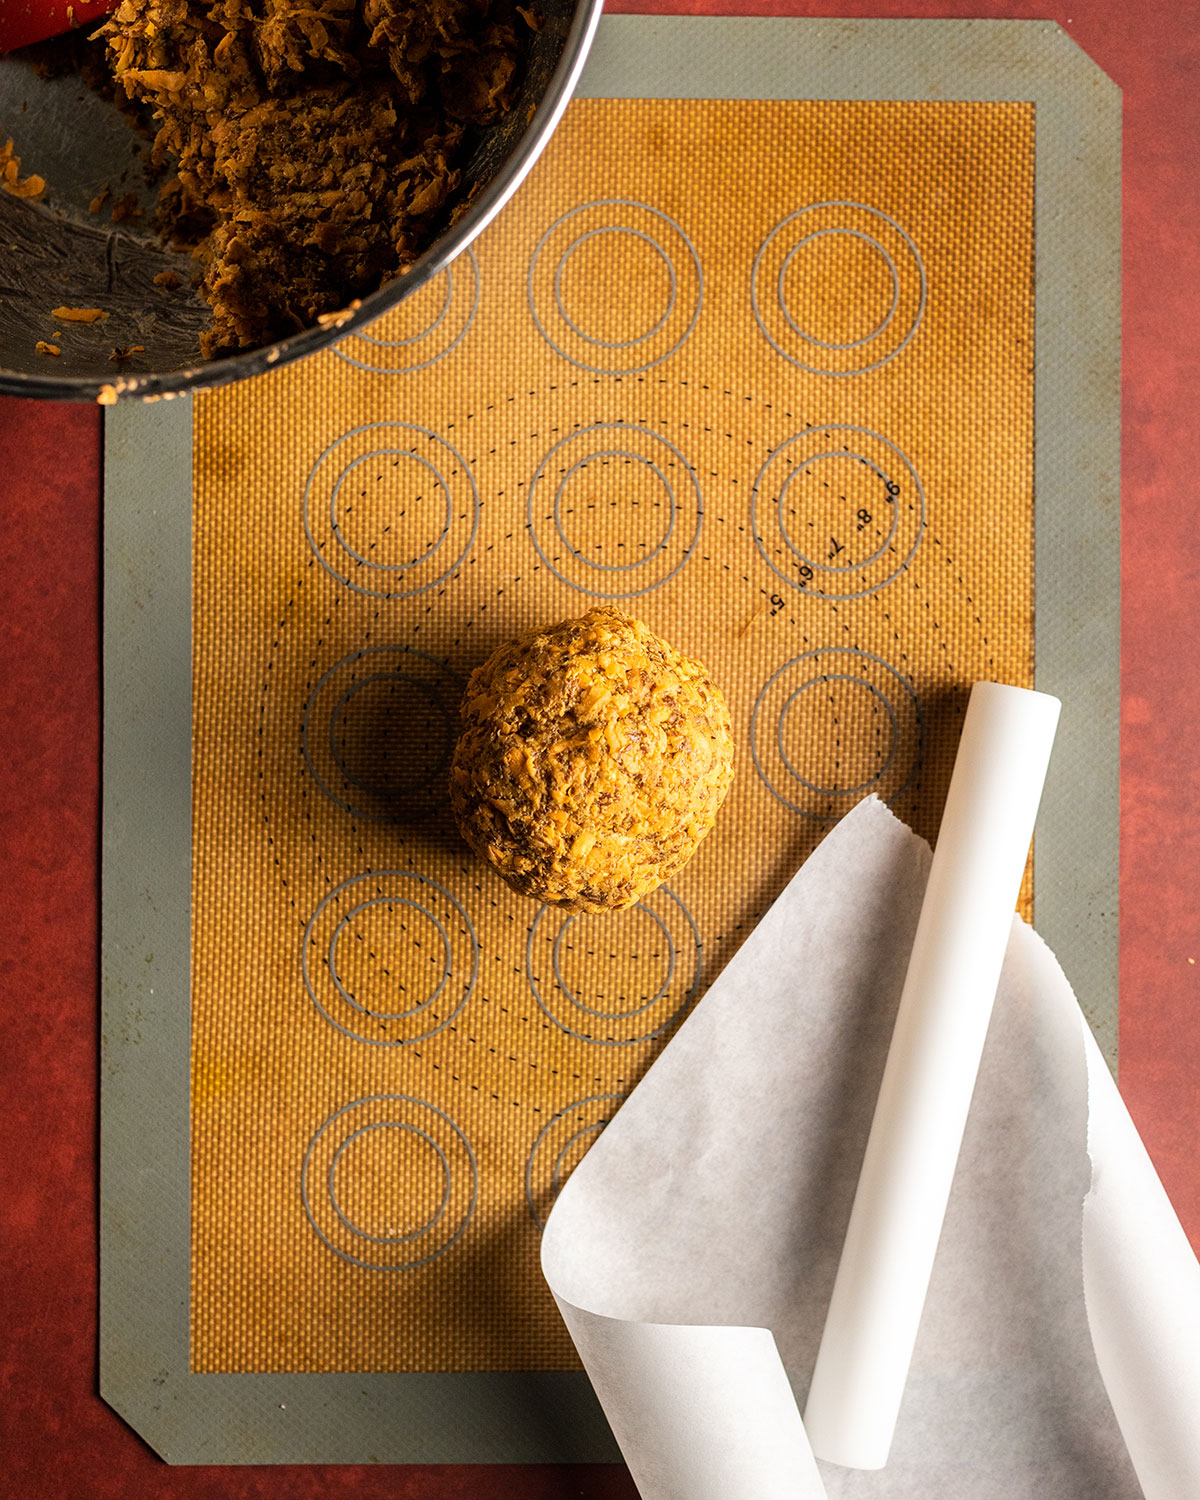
(78, 314)
(11, 180)
(125, 208)
(593, 759)
(318, 143)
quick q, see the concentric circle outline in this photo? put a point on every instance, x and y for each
(381, 1239)
(855, 567)
(423, 333)
(807, 656)
(610, 1015)
(826, 343)
(380, 567)
(343, 924)
(570, 321)
(614, 1041)
(816, 369)
(359, 588)
(615, 203)
(838, 791)
(582, 463)
(405, 1265)
(310, 706)
(810, 432)
(545, 1131)
(556, 1170)
(378, 876)
(619, 593)
(433, 359)
(408, 788)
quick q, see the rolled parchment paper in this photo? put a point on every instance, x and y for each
(933, 1060)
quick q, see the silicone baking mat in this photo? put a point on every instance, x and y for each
(758, 370)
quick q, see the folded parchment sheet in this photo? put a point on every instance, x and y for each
(693, 1250)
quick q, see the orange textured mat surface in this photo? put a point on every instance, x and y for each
(761, 373)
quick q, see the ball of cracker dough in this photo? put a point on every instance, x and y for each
(593, 759)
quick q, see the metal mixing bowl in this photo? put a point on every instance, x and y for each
(53, 252)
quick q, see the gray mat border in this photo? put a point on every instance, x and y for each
(145, 1209)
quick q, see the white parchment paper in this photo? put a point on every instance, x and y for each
(693, 1251)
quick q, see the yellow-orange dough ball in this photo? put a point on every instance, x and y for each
(593, 759)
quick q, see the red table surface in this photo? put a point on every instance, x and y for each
(25, 21)
(56, 1436)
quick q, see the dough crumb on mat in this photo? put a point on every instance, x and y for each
(78, 314)
(11, 180)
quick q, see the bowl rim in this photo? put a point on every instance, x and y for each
(208, 374)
